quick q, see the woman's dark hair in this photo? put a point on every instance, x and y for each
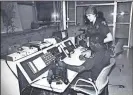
(86, 21)
(100, 15)
(91, 10)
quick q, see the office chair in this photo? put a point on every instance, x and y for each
(95, 87)
(115, 55)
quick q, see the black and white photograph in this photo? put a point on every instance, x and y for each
(67, 47)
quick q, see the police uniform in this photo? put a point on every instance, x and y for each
(100, 27)
(96, 63)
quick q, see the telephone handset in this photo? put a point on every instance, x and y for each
(69, 47)
(57, 52)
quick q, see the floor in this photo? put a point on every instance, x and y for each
(122, 77)
(122, 74)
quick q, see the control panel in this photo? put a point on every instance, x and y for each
(22, 53)
(40, 45)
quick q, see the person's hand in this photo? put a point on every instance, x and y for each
(86, 53)
(81, 57)
(83, 49)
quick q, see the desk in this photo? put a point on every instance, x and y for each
(41, 82)
(60, 88)
(12, 64)
(74, 59)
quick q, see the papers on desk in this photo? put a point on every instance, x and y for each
(43, 83)
(74, 59)
(50, 40)
(39, 44)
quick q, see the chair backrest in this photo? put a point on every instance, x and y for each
(102, 79)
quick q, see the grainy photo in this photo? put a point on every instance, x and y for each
(62, 47)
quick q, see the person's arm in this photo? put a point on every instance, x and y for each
(108, 38)
(87, 65)
(105, 30)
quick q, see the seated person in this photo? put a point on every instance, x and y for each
(85, 54)
(98, 62)
(92, 67)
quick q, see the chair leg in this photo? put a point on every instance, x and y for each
(69, 92)
(72, 92)
(119, 85)
(105, 91)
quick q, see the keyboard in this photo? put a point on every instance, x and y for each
(48, 58)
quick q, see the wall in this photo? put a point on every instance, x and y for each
(80, 14)
(15, 19)
(10, 40)
(26, 15)
(9, 83)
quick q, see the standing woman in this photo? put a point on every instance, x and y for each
(97, 26)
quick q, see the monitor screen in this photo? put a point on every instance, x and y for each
(37, 65)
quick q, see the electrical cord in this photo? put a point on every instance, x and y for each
(11, 69)
(120, 86)
(51, 87)
(31, 91)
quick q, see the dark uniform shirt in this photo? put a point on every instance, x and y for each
(100, 27)
(97, 63)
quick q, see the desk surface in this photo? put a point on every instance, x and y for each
(12, 64)
(73, 60)
(42, 82)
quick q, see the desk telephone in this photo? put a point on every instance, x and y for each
(57, 73)
(69, 47)
(57, 52)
